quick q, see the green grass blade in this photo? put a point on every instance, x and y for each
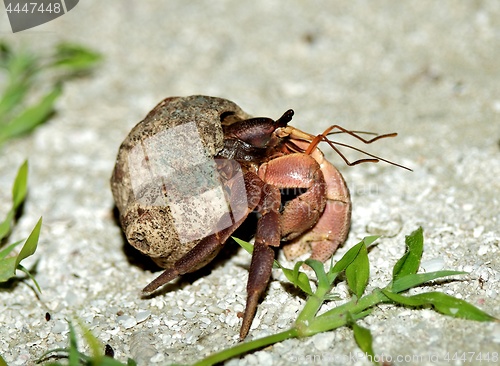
(75, 57)
(30, 245)
(358, 272)
(364, 340)
(5, 252)
(32, 116)
(410, 261)
(19, 190)
(5, 54)
(74, 354)
(92, 341)
(351, 254)
(77, 358)
(21, 67)
(25, 270)
(2, 361)
(12, 96)
(244, 244)
(319, 269)
(445, 304)
(297, 278)
(413, 280)
(347, 259)
(20, 186)
(5, 224)
(249, 248)
(244, 347)
(7, 268)
(368, 240)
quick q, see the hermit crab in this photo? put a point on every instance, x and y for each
(189, 174)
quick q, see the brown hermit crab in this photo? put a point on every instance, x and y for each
(190, 173)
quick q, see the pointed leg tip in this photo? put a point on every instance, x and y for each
(245, 326)
(167, 276)
(146, 291)
(248, 316)
(243, 334)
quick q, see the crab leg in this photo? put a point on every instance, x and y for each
(268, 235)
(208, 248)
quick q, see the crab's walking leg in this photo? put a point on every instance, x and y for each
(268, 235)
(206, 249)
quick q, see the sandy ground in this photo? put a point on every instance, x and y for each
(428, 70)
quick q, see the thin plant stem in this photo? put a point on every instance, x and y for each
(337, 317)
(357, 305)
(243, 348)
(311, 308)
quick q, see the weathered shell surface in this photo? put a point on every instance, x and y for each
(148, 224)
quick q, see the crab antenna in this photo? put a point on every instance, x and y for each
(360, 132)
(355, 134)
(375, 159)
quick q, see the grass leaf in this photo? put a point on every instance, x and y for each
(347, 259)
(77, 358)
(74, 57)
(2, 361)
(5, 54)
(6, 223)
(368, 240)
(19, 190)
(249, 248)
(413, 280)
(443, 303)
(74, 354)
(351, 254)
(92, 341)
(8, 266)
(21, 67)
(358, 272)
(364, 340)
(13, 95)
(20, 187)
(32, 278)
(410, 261)
(297, 277)
(31, 117)
(30, 245)
(319, 269)
(5, 252)
(244, 244)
